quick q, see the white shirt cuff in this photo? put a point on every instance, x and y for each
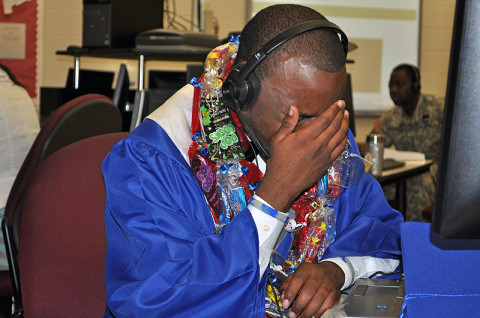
(355, 267)
(268, 229)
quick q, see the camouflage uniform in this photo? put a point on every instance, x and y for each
(422, 133)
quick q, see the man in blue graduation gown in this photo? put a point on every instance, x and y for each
(165, 257)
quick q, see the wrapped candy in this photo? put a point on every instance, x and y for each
(219, 130)
(215, 65)
(321, 233)
(230, 189)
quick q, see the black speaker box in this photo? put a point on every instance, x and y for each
(116, 23)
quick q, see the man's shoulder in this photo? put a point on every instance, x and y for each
(431, 100)
(150, 140)
(433, 105)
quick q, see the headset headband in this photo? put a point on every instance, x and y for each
(283, 37)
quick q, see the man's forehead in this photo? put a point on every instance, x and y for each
(400, 73)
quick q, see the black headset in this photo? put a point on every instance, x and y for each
(416, 76)
(416, 81)
(242, 87)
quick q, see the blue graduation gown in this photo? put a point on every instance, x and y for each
(163, 258)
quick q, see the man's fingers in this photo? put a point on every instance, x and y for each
(330, 301)
(339, 140)
(289, 123)
(338, 125)
(291, 287)
(329, 121)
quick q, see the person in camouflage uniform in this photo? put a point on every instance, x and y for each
(413, 124)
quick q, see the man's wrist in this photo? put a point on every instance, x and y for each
(261, 205)
(336, 271)
(347, 268)
(277, 199)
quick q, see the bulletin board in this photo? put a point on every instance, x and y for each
(18, 40)
(386, 33)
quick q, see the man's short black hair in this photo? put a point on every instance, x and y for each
(320, 48)
(412, 71)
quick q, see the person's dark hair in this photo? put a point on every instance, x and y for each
(320, 48)
(10, 75)
(412, 72)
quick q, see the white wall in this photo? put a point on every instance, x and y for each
(436, 37)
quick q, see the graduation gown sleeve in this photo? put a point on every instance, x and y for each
(163, 259)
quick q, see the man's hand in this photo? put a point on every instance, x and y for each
(300, 154)
(313, 288)
(377, 126)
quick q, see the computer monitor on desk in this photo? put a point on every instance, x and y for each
(91, 81)
(456, 209)
(347, 96)
(161, 86)
(121, 96)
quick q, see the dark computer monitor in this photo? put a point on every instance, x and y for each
(456, 208)
(161, 86)
(95, 81)
(347, 96)
(121, 95)
(90, 82)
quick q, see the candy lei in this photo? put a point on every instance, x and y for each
(217, 151)
(228, 181)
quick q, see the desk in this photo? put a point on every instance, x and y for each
(399, 176)
(191, 55)
(142, 55)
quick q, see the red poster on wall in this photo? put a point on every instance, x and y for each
(18, 40)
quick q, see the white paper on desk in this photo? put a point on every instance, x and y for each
(12, 41)
(403, 155)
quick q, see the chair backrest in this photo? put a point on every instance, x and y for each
(62, 244)
(83, 117)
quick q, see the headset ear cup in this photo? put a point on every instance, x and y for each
(240, 94)
(254, 86)
(416, 83)
(230, 88)
(416, 87)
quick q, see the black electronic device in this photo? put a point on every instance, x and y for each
(242, 87)
(174, 41)
(456, 208)
(116, 23)
(347, 96)
(93, 80)
(416, 81)
(416, 76)
(120, 96)
(161, 86)
(90, 81)
(122, 85)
